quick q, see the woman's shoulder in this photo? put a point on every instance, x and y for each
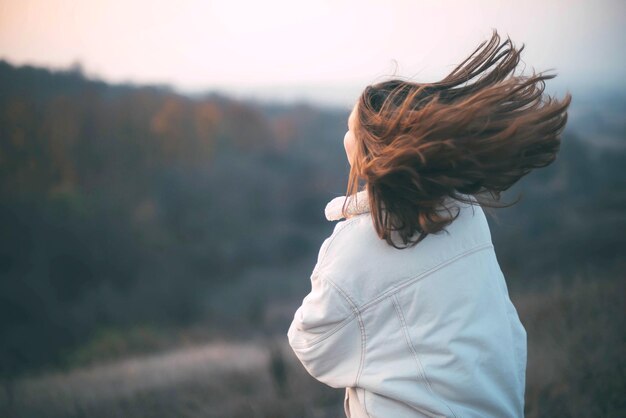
(352, 233)
(350, 252)
(338, 243)
(357, 234)
(356, 259)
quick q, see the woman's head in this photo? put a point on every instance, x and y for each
(414, 144)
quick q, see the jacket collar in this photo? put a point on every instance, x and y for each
(355, 206)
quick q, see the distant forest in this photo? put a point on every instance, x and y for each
(124, 204)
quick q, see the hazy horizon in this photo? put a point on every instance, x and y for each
(324, 52)
(329, 95)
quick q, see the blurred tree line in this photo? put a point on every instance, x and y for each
(124, 204)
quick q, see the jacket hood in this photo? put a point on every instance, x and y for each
(355, 206)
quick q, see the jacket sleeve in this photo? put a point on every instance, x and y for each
(325, 333)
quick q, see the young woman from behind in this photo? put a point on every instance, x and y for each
(409, 309)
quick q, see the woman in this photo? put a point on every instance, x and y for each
(409, 309)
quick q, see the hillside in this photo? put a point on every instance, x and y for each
(126, 205)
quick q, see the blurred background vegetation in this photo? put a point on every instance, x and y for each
(154, 247)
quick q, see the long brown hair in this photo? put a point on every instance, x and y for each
(419, 143)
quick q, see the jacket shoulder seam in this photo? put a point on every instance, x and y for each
(339, 227)
(357, 314)
(408, 281)
(325, 335)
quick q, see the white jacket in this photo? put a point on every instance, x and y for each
(427, 331)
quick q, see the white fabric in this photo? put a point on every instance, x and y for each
(427, 331)
(356, 205)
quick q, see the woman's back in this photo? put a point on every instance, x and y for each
(424, 331)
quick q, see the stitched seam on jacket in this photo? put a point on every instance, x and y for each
(363, 403)
(418, 363)
(346, 224)
(361, 326)
(355, 312)
(406, 282)
(325, 335)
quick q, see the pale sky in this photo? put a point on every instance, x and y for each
(326, 51)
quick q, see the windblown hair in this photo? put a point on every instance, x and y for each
(419, 143)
